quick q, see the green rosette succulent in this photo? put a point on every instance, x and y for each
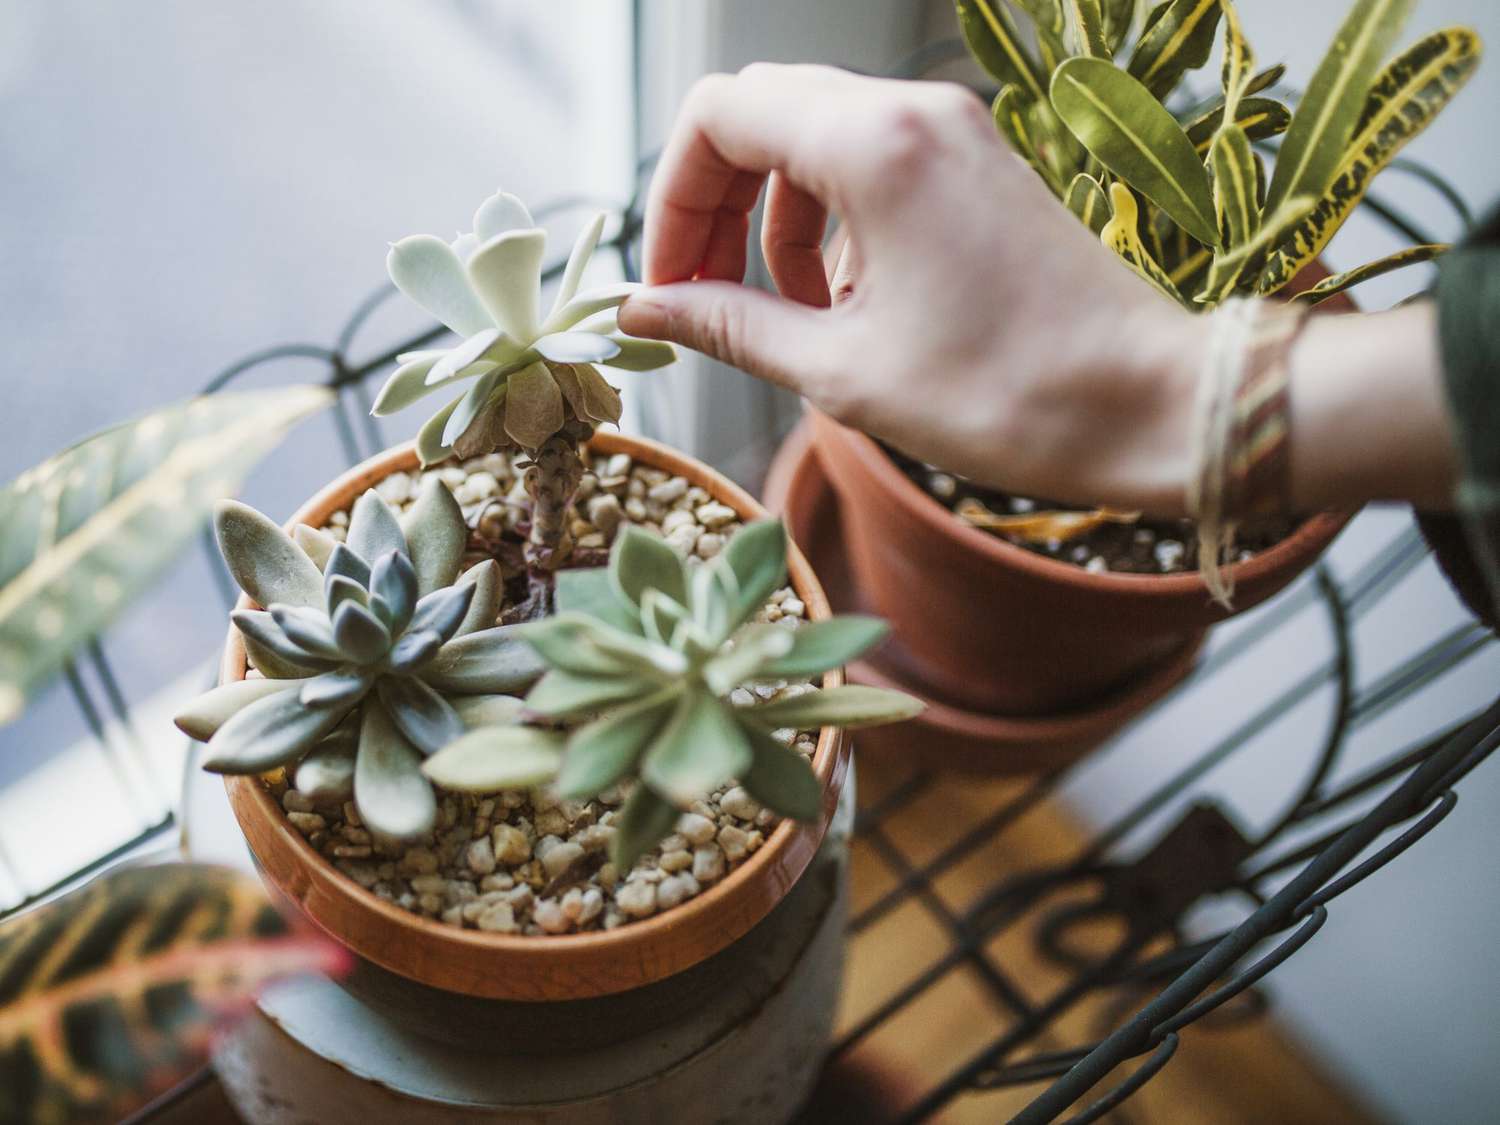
(373, 652)
(646, 658)
(529, 376)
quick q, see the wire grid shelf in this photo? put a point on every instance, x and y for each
(1147, 894)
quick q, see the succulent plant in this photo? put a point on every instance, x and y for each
(645, 659)
(1185, 201)
(532, 380)
(373, 656)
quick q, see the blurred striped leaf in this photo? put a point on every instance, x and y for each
(1178, 41)
(1087, 23)
(1409, 93)
(1235, 270)
(1014, 123)
(1122, 235)
(112, 994)
(1239, 59)
(1235, 204)
(1332, 106)
(1118, 16)
(1258, 117)
(86, 530)
(993, 39)
(1333, 286)
(1133, 135)
(1085, 199)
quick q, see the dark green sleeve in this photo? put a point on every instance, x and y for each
(1468, 301)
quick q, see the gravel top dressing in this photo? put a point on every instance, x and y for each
(520, 862)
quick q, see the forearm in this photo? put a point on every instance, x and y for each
(1369, 420)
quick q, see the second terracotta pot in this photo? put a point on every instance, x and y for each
(994, 627)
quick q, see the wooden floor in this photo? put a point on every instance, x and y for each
(1246, 1071)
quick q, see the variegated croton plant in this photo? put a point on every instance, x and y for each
(379, 668)
(1093, 97)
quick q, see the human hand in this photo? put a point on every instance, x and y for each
(972, 321)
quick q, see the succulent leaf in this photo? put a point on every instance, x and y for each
(757, 557)
(393, 797)
(533, 406)
(436, 535)
(393, 581)
(430, 446)
(567, 641)
(504, 272)
(428, 721)
(594, 301)
(645, 819)
(343, 561)
(592, 591)
(484, 607)
(819, 646)
(492, 758)
(343, 687)
(316, 544)
(407, 384)
(700, 748)
(359, 633)
(338, 589)
(268, 733)
(211, 710)
(468, 408)
(483, 663)
(428, 271)
(640, 355)
(308, 629)
(850, 706)
(780, 779)
(327, 772)
(263, 560)
(260, 630)
(487, 710)
(499, 213)
(443, 611)
(373, 528)
(578, 260)
(753, 649)
(607, 749)
(562, 695)
(641, 561)
(415, 648)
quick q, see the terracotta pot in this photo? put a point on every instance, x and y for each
(946, 735)
(429, 962)
(997, 628)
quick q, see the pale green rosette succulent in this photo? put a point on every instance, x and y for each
(373, 656)
(645, 658)
(529, 376)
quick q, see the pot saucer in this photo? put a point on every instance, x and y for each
(947, 735)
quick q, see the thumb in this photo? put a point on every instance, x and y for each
(768, 336)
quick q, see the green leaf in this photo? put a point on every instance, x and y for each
(1308, 161)
(490, 662)
(263, 560)
(821, 645)
(1178, 40)
(1404, 100)
(1118, 16)
(641, 825)
(114, 993)
(373, 528)
(1235, 203)
(1132, 135)
(781, 778)
(1086, 22)
(591, 591)
(392, 796)
(484, 607)
(1333, 286)
(393, 582)
(1237, 269)
(428, 721)
(562, 695)
(1258, 117)
(641, 561)
(327, 772)
(850, 706)
(602, 752)
(309, 629)
(756, 555)
(342, 688)
(430, 446)
(444, 610)
(990, 32)
(346, 564)
(359, 635)
(338, 589)
(755, 648)
(1010, 110)
(587, 647)
(700, 748)
(211, 710)
(489, 759)
(435, 531)
(268, 733)
(264, 641)
(1122, 235)
(1085, 198)
(1239, 61)
(487, 710)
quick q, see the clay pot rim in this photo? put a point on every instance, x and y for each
(1297, 550)
(646, 944)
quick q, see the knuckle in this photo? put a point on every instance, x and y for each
(904, 137)
(706, 91)
(723, 332)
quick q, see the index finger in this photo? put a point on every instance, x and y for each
(731, 133)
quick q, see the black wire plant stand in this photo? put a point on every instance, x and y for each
(1331, 835)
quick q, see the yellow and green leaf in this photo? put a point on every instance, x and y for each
(1122, 235)
(1014, 123)
(994, 41)
(1133, 135)
(1239, 60)
(1409, 93)
(1086, 199)
(1046, 15)
(1118, 16)
(1258, 117)
(1086, 23)
(1178, 41)
(1235, 204)
(113, 994)
(1235, 270)
(1339, 282)
(1332, 106)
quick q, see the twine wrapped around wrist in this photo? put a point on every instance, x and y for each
(1240, 435)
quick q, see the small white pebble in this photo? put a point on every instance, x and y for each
(696, 830)
(709, 544)
(676, 860)
(548, 914)
(480, 856)
(739, 804)
(667, 490)
(734, 841)
(499, 918)
(714, 515)
(708, 864)
(558, 859)
(637, 898)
